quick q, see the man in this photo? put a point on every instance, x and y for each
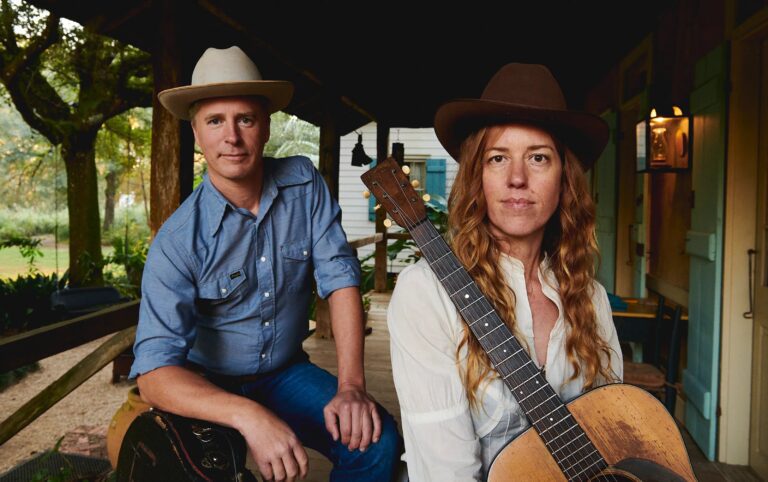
(227, 289)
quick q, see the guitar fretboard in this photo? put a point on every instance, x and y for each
(567, 442)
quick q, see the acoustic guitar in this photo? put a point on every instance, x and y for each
(616, 432)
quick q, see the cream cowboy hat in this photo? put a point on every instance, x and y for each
(526, 93)
(223, 73)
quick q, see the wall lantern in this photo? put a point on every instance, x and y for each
(664, 141)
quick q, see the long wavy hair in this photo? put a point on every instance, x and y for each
(569, 242)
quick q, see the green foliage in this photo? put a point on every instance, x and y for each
(65, 472)
(290, 136)
(32, 222)
(30, 249)
(25, 302)
(130, 257)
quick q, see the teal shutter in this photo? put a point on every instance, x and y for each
(704, 244)
(371, 199)
(435, 177)
(605, 201)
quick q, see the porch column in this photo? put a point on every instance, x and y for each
(330, 145)
(380, 256)
(172, 140)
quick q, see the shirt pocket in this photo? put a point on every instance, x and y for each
(296, 264)
(223, 296)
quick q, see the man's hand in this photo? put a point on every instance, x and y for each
(278, 452)
(352, 415)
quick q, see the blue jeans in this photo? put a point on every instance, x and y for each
(297, 394)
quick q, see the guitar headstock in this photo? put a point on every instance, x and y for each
(391, 187)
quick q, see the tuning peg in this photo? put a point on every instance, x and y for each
(406, 170)
(366, 194)
(387, 223)
(415, 183)
(376, 207)
(426, 197)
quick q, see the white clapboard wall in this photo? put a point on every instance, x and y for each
(418, 143)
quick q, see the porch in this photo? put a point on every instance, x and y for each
(380, 384)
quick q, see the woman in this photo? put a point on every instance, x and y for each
(522, 222)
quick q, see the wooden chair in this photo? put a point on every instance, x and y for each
(658, 371)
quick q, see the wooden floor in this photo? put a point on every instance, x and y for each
(379, 383)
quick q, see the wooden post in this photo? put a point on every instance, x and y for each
(330, 145)
(380, 256)
(172, 140)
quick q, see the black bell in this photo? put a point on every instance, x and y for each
(359, 157)
(398, 152)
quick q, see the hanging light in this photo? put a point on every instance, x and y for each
(359, 157)
(663, 140)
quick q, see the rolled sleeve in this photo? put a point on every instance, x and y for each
(334, 260)
(166, 329)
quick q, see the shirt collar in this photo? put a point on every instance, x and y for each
(214, 203)
(277, 174)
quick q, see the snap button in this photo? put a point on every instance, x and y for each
(266, 295)
(266, 323)
(223, 290)
(305, 252)
(263, 258)
(263, 355)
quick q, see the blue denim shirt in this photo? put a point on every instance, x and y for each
(231, 290)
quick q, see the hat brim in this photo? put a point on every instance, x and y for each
(584, 133)
(179, 99)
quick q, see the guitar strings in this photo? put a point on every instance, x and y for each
(412, 223)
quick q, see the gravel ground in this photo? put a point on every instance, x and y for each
(92, 405)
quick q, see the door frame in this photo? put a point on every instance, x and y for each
(739, 236)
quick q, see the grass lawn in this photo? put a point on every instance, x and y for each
(12, 263)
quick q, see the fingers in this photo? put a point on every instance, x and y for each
(366, 431)
(292, 466)
(303, 460)
(356, 416)
(330, 422)
(376, 423)
(345, 424)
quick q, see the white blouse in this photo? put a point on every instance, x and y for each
(444, 438)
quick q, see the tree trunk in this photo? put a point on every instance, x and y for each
(109, 201)
(85, 260)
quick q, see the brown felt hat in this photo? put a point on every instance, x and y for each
(526, 93)
(225, 73)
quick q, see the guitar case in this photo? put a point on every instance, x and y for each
(163, 447)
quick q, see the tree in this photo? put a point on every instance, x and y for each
(122, 143)
(65, 83)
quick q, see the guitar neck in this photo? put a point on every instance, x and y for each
(562, 435)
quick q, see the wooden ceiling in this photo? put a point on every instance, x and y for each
(393, 61)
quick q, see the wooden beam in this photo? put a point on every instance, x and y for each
(34, 345)
(172, 140)
(380, 254)
(59, 389)
(236, 25)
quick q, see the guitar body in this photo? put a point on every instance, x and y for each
(624, 422)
